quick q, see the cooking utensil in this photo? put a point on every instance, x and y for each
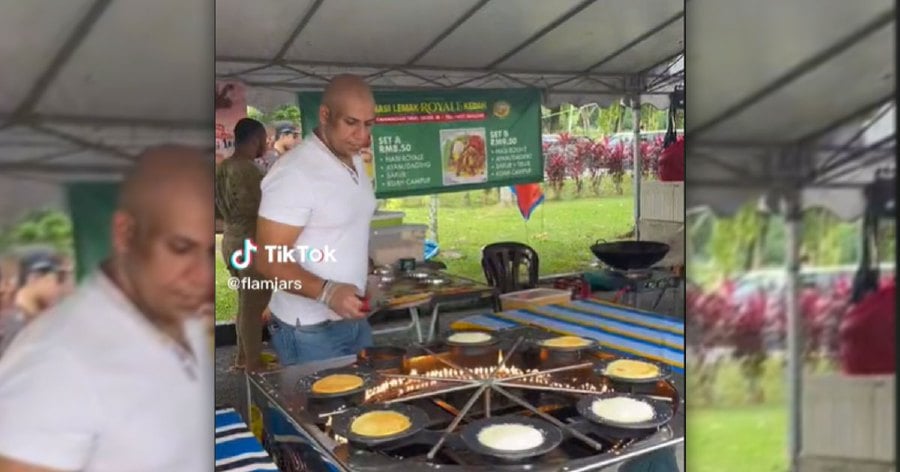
(305, 384)
(464, 349)
(630, 255)
(382, 357)
(436, 281)
(664, 372)
(407, 264)
(420, 275)
(662, 411)
(551, 434)
(341, 423)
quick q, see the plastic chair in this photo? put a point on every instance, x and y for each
(503, 264)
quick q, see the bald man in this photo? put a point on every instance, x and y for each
(319, 197)
(119, 376)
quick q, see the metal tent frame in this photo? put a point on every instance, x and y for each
(796, 108)
(636, 49)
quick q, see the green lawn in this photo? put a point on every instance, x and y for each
(740, 439)
(727, 433)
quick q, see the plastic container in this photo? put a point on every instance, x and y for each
(534, 297)
(384, 219)
(388, 245)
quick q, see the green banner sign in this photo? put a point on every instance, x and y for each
(91, 206)
(449, 140)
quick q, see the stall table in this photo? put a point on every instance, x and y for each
(409, 294)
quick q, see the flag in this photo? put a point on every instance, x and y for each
(528, 197)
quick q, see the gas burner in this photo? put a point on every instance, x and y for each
(460, 392)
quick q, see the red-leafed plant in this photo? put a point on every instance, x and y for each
(556, 164)
(578, 156)
(616, 156)
(597, 163)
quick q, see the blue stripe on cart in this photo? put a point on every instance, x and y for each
(605, 310)
(636, 332)
(631, 347)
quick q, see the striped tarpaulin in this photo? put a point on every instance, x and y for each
(619, 329)
(237, 450)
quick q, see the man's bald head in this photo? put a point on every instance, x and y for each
(163, 233)
(343, 88)
(163, 173)
(347, 115)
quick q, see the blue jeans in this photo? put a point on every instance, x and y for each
(321, 341)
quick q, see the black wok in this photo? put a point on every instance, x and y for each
(630, 255)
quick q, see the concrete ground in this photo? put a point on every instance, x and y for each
(231, 388)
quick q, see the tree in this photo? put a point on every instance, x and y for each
(50, 227)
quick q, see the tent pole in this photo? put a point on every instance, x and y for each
(636, 161)
(433, 217)
(793, 224)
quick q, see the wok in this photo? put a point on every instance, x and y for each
(630, 255)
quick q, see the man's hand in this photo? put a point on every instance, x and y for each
(346, 303)
(10, 465)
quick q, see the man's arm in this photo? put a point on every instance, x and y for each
(342, 298)
(10, 465)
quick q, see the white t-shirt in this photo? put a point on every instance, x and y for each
(309, 187)
(92, 386)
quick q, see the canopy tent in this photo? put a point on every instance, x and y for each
(576, 51)
(71, 106)
(792, 103)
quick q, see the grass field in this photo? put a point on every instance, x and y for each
(729, 434)
(561, 231)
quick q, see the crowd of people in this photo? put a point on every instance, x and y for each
(39, 279)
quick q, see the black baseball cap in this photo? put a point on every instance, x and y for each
(286, 128)
(39, 261)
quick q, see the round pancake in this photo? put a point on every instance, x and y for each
(337, 383)
(623, 410)
(511, 437)
(469, 338)
(631, 369)
(378, 424)
(566, 341)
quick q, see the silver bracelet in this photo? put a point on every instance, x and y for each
(324, 295)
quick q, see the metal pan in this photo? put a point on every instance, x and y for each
(382, 357)
(417, 417)
(664, 372)
(489, 342)
(552, 437)
(420, 275)
(472, 349)
(630, 255)
(305, 384)
(662, 411)
(539, 343)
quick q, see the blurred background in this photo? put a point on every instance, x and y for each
(790, 235)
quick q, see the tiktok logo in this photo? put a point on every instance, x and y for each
(242, 258)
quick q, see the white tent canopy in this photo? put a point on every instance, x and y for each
(791, 100)
(780, 89)
(71, 106)
(577, 51)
